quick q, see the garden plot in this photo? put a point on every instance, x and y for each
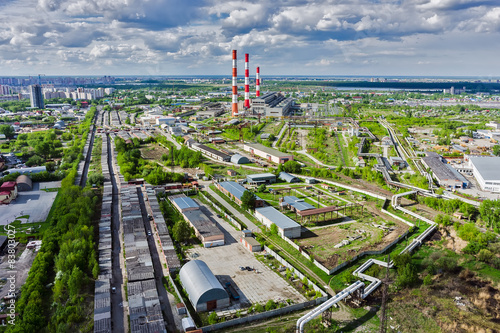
(332, 245)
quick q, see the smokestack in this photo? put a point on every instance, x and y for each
(247, 83)
(257, 82)
(235, 86)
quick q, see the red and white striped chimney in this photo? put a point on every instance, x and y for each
(257, 83)
(235, 86)
(247, 83)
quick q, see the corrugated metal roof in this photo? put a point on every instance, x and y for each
(288, 177)
(198, 280)
(278, 218)
(184, 202)
(298, 204)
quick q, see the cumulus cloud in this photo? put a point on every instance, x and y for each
(283, 36)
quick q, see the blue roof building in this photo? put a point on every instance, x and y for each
(296, 204)
(286, 226)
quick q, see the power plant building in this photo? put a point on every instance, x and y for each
(272, 104)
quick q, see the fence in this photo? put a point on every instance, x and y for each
(293, 269)
(263, 315)
(220, 210)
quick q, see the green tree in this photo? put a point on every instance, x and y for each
(248, 200)
(212, 318)
(181, 231)
(485, 255)
(75, 281)
(35, 160)
(407, 275)
(261, 188)
(8, 130)
(95, 178)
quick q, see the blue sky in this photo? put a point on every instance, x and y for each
(283, 37)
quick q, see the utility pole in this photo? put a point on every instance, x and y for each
(383, 320)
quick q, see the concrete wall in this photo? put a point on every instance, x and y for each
(263, 315)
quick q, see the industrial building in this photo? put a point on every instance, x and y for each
(235, 191)
(238, 159)
(269, 154)
(261, 178)
(24, 183)
(446, 175)
(485, 170)
(204, 290)
(272, 104)
(213, 153)
(288, 177)
(206, 230)
(295, 204)
(286, 226)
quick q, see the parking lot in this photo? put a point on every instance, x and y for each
(35, 203)
(254, 286)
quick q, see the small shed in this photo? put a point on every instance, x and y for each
(251, 244)
(231, 172)
(24, 183)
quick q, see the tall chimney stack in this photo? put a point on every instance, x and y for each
(257, 82)
(234, 112)
(247, 83)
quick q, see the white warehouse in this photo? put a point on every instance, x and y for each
(485, 170)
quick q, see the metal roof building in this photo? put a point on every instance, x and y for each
(204, 290)
(238, 159)
(286, 226)
(235, 191)
(183, 203)
(261, 178)
(288, 177)
(296, 204)
(270, 154)
(485, 170)
(24, 183)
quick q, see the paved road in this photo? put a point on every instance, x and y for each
(250, 225)
(284, 128)
(118, 317)
(158, 268)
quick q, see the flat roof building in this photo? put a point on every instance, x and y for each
(261, 178)
(486, 171)
(267, 153)
(206, 230)
(286, 226)
(213, 153)
(204, 290)
(446, 175)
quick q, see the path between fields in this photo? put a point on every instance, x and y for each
(297, 263)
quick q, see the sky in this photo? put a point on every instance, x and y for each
(283, 37)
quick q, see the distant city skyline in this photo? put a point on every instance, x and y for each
(285, 37)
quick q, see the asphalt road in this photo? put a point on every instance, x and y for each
(117, 311)
(85, 173)
(158, 270)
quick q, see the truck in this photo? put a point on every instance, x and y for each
(234, 294)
